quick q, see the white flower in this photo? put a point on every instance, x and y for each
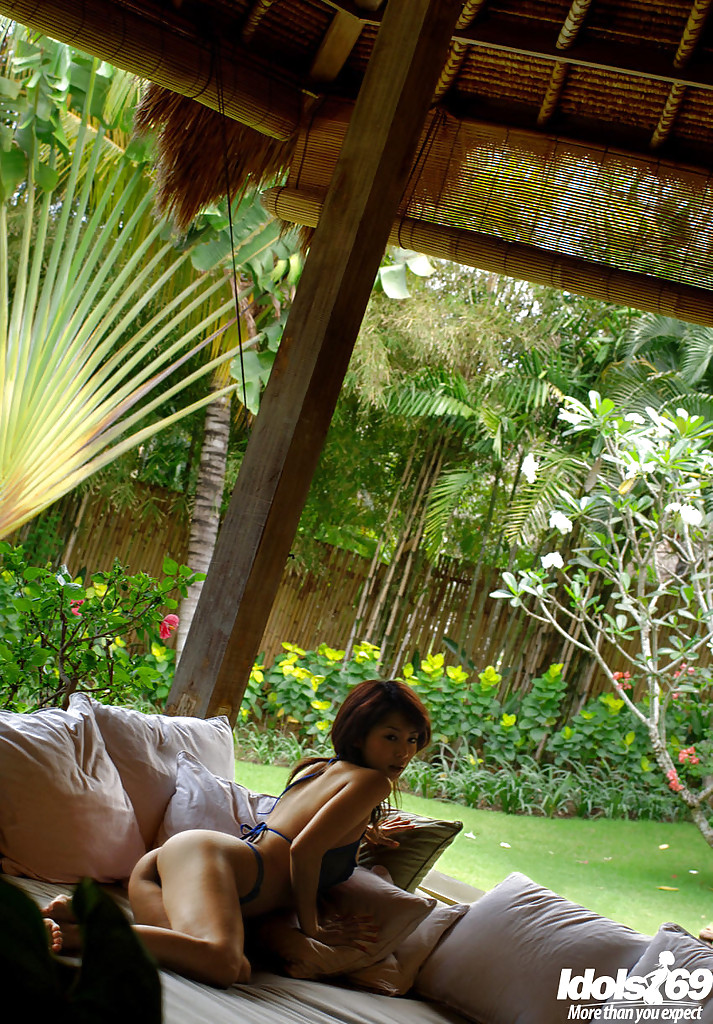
(691, 515)
(552, 561)
(634, 417)
(559, 521)
(569, 416)
(530, 465)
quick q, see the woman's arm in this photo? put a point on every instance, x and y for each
(342, 813)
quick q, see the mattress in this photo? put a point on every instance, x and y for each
(270, 998)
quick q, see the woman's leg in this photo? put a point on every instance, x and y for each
(205, 937)
(145, 894)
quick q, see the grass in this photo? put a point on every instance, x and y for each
(641, 873)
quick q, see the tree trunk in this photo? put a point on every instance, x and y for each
(206, 510)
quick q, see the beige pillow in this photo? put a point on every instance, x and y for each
(144, 749)
(396, 914)
(395, 975)
(202, 800)
(501, 963)
(418, 850)
(63, 811)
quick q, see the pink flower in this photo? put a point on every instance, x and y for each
(675, 695)
(674, 781)
(74, 607)
(688, 754)
(168, 626)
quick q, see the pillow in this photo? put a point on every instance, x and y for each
(684, 953)
(395, 975)
(202, 800)
(501, 963)
(396, 914)
(144, 749)
(63, 811)
(418, 850)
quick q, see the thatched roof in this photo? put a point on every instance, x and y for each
(569, 142)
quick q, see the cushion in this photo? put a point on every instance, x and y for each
(501, 962)
(202, 800)
(63, 811)
(144, 749)
(418, 850)
(680, 982)
(396, 914)
(395, 975)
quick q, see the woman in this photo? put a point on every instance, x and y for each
(190, 897)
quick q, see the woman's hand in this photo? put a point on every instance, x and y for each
(359, 930)
(384, 833)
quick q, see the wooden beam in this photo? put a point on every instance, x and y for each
(313, 357)
(343, 32)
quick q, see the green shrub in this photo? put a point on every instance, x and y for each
(104, 635)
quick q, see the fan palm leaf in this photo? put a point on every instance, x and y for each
(91, 322)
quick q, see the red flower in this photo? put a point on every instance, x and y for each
(74, 607)
(168, 626)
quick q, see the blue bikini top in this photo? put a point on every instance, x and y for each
(337, 864)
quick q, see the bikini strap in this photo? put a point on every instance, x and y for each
(311, 775)
(251, 833)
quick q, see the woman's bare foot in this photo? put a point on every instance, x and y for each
(60, 909)
(65, 929)
(54, 934)
(706, 933)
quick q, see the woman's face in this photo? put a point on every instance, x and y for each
(390, 745)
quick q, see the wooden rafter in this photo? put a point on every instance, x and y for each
(558, 76)
(457, 51)
(257, 12)
(689, 39)
(540, 41)
(339, 41)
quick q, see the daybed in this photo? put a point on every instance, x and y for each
(86, 791)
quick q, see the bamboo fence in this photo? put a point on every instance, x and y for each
(319, 605)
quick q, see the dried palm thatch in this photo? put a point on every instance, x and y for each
(199, 149)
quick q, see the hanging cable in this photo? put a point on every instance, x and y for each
(218, 69)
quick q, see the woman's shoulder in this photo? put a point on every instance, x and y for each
(368, 780)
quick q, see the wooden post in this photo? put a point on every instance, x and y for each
(307, 375)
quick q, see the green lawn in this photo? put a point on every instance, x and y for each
(617, 868)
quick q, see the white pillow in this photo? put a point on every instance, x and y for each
(144, 749)
(63, 811)
(202, 800)
(501, 963)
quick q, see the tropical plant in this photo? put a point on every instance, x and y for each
(90, 328)
(636, 586)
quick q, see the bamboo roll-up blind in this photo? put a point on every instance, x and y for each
(525, 262)
(637, 214)
(188, 64)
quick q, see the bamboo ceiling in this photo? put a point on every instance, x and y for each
(569, 141)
